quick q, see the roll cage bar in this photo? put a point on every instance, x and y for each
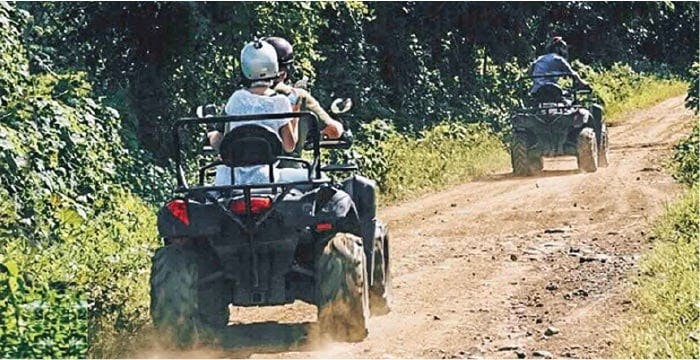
(314, 136)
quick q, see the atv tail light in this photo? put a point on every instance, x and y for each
(257, 205)
(178, 208)
(324, 226)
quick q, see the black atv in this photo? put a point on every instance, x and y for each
(557, 123)
(270, 243)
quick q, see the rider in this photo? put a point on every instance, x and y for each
(259, 68)
(300, 97)
(554, 62)
(361, 189)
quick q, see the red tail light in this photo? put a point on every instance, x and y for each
(257, 205)
(178, 208)
(324, 226)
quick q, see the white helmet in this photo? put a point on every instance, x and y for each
(259, 61)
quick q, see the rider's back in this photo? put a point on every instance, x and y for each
(243, 102)
(549, 64)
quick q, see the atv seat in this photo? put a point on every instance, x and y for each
(549, 93)
(250, 145)
(256, 146)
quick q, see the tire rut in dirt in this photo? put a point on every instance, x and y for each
(342, 289)
(174, 308)
(587, 151)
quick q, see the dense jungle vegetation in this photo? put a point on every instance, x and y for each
(89, 89)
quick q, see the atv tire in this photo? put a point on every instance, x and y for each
(380, 296)
(342, 289)
(174, 307)
(603, 147)
(587, 151)
(213, 306)
(523, 164)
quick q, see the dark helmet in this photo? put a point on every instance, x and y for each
(558, 46)
(285, 53)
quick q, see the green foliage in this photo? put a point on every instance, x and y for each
(73, 240)
(621, 89)
(686, 162)
(446, 154)
(691, 101)
(39, 320)
(94, 282)
(667, 293)
(416, 63)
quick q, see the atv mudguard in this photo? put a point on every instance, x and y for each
(362, 191)
(204, 221)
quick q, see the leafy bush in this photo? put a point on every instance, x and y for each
(39, 320)
(691, 100)
(73, 240)
(686, 163)
(445, 154)
(622, 89)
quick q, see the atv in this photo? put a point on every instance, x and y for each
(557, 123)
(268, 243)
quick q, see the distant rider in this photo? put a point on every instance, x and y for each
(554, 62)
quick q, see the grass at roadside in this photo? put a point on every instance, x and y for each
(446, 154)
(653, 92)
(667, 296)
(624, 90)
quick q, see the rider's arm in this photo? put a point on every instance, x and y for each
(289, 136)
(215, 138)
(566, 68)
(334, 129)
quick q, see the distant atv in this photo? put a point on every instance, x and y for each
(267, 244)
(556, 123)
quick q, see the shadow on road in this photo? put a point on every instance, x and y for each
(542, 174)
(243, 340)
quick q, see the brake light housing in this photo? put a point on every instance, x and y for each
(257, 205)
(324, 226)
(178, 208)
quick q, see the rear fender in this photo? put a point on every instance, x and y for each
(204, 220)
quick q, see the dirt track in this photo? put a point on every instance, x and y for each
(485, 267)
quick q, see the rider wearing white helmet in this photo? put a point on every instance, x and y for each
(260, 68)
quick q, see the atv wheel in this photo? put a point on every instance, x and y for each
(603, 147)
(587, 151)
(521, 161)
(342, 289)
(213, 297)
(213, 305)
(380, 292)
(174, 294)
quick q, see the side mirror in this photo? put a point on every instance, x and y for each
(207, 110)
(340, 106)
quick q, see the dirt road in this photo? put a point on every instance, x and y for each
(484, 268)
